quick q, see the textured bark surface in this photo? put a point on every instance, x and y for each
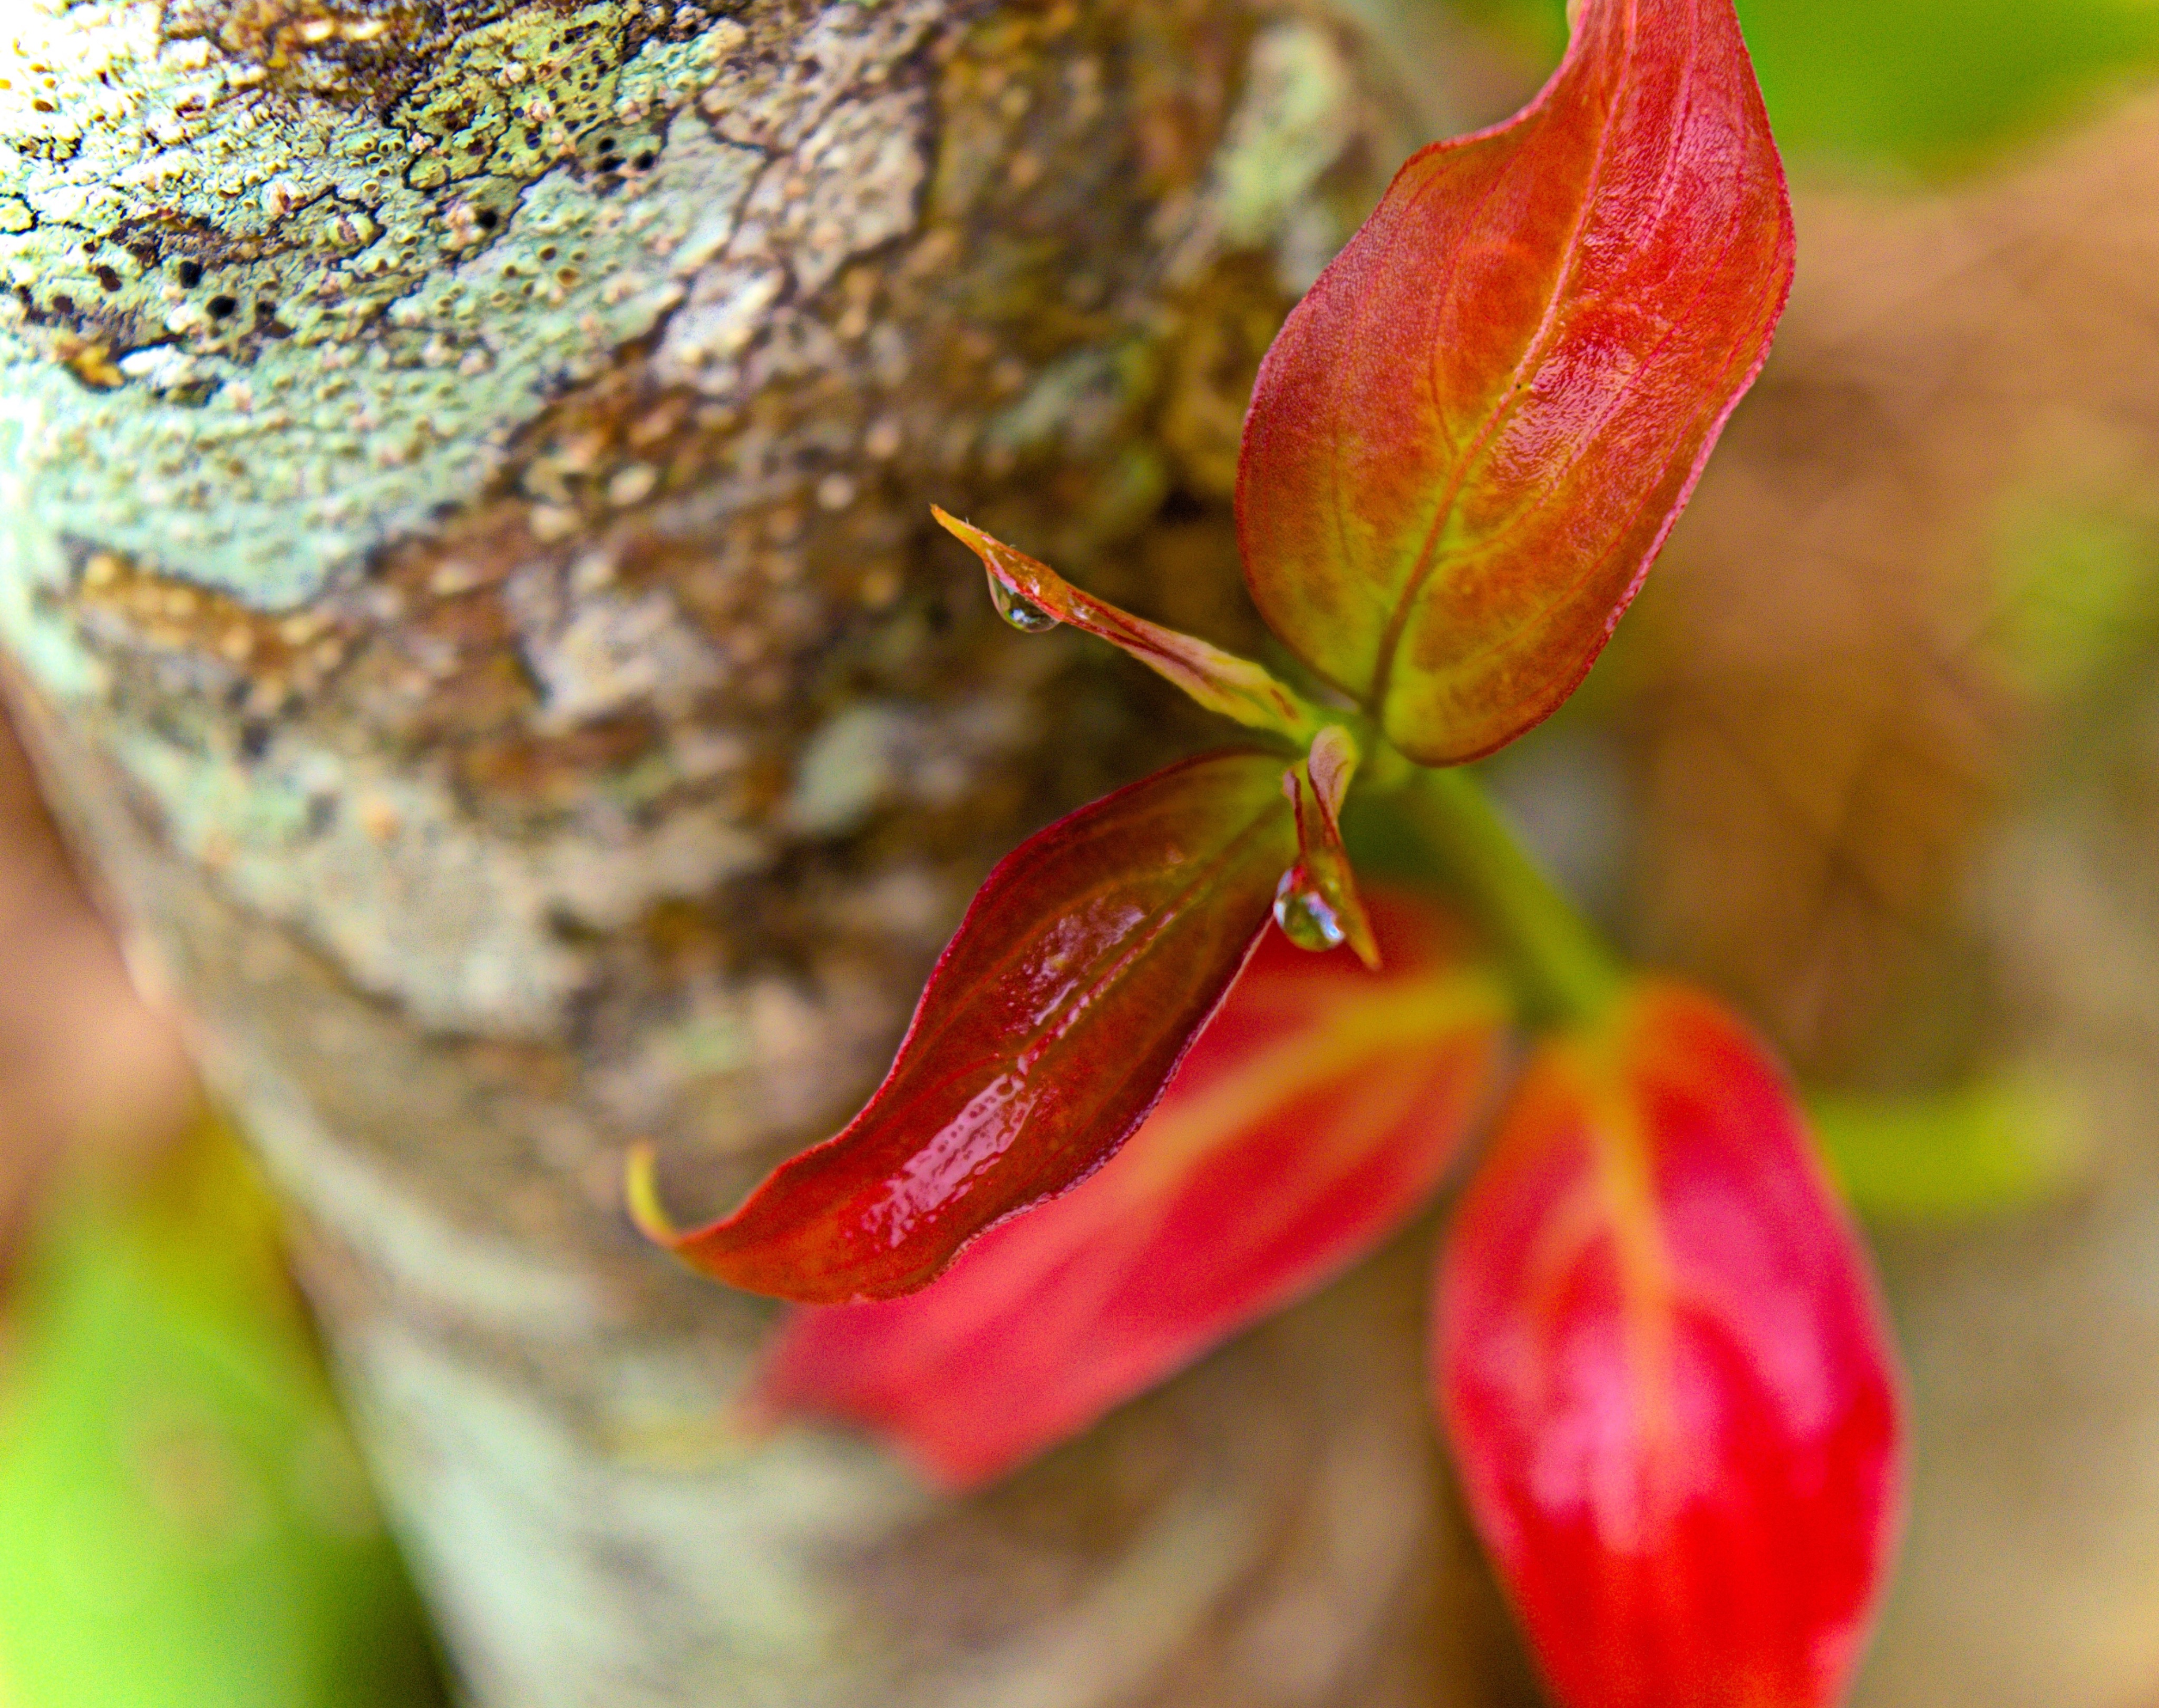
(463, 486)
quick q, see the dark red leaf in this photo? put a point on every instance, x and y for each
(1091, 959)
(1472, 435)
(1667, 1375)
(1317, 1111)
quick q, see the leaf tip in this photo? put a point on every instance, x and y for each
(1362, 943)
(640, 1196)
(1317, 905)
(971, 536)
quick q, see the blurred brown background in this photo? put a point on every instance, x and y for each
(87, 1065)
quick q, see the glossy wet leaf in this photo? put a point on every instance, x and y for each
(1088, 961)
(1317, 1111)
(1032, 595)
(1317, 904)
(1666, 1373)
(1472, 435)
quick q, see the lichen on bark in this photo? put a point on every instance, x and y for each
(463, 472)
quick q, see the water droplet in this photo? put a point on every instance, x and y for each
(1023, 615)
(1308, 918)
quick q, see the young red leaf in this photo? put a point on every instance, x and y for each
(1471, 437)
(1666, 1373)
(1318, 906)
(1032, 595)
(1317, 1111)
(1089, 960)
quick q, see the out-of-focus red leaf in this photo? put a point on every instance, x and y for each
(1091, 959)
(1472, 435)
(1317, 1111)
(1666, 1373)
(1317, 905)
(1032, 594)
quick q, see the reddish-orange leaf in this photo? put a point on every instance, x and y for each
(1667, 1375)
(1472, 435)
(1091, 959)
(1317, 1111)
(1032, 595)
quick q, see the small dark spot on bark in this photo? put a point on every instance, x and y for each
(487, 219)
(644, 160)
(190, 274)
(220, 307)
(65, 304)
(108, 278)
(255, 738)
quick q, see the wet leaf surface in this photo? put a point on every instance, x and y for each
(1317, 1111)
(1032, 597)
(1317, 905)
(1089, 960)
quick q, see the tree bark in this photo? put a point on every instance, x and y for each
(463, 477)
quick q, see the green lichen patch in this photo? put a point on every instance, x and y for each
(521, 94)
(253, 334)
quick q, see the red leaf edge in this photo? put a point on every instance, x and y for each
(1319, 1109)
(1327, 480)
(1035, 1049)
(1647, 1570)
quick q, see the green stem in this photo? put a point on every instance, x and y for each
(1565, 970)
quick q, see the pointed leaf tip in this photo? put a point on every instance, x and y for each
(1470, 438)
(1667, 1375)
(1317, 1111)
(1089, 960)
(1317, 904)
(1235, 687)
(641, 1195)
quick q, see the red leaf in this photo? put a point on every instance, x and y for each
(1317, 1111)
(1032, 595)
(1666, 1373)
(1317, 905)
(1471, 437)
(1091, 959)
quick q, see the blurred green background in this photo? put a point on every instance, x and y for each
(1910, 86)
(183, 1521)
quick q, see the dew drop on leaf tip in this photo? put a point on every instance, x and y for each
(1306, 917)
(1023, 615)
